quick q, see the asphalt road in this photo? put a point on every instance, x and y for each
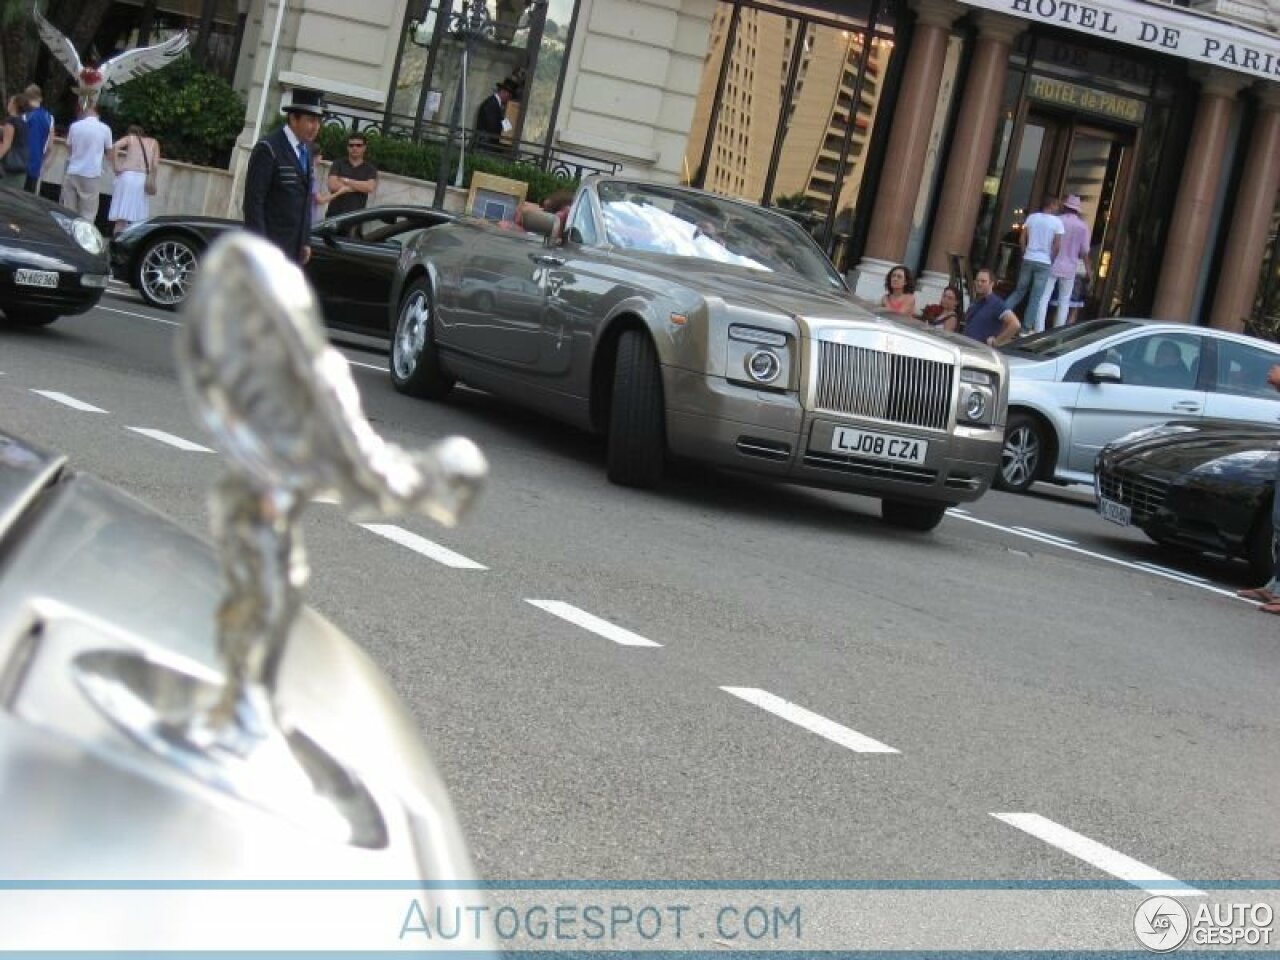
(795, 692)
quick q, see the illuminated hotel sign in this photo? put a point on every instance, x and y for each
(1157, 28)
(1087, 99)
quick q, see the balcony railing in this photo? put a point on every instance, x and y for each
(574, 164)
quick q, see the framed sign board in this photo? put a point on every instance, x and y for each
(495, 198)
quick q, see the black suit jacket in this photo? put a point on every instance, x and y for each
(277, 194)
(489, 117)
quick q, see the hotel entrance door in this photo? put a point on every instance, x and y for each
(1061, 155)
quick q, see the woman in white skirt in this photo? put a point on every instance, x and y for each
(133, 155)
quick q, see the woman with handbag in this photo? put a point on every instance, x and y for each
(136, 158)
(13, 145)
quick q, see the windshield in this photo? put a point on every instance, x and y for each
(686, 223)
(1063, 340)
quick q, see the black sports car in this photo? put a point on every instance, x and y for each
(353, 259)
(53, 263)
(1202, 484)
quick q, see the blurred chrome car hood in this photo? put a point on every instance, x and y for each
(86, 570)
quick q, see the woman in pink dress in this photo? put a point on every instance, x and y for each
(900, 292)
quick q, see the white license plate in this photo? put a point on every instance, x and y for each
(1115, 512)
(879, 446)
(36, 278)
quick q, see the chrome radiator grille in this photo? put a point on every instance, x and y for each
(887, 386)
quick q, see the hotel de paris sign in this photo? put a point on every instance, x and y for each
(1158, 28)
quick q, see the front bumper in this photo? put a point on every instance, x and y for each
(715, 421)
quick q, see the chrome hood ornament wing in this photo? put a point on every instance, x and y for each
(285, 412)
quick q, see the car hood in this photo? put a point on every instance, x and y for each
(1026, 368)
(26, 220)
(86, 570)
(1184, 445)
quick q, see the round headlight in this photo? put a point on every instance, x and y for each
(763, 366)
(975, 406)
(87, 235)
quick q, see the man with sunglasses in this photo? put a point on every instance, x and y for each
(352, 180)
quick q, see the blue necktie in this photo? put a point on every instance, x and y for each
(302, 158)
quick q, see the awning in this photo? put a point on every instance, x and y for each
(1156, 27)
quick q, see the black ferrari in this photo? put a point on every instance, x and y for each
(53, 263)
(353, 259)
(1200, 484)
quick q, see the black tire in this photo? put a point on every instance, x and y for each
(1260, 548)
(1022, 457)
(637, 417)
(912, 516)
(32, 318)
(414, 364)
(166, 269)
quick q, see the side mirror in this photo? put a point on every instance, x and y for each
(324, 232)
(1106, 373)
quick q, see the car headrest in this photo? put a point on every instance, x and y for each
(542, 223)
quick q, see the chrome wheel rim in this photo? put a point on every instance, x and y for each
(1020, 457)
(411, 335)
(166, 271)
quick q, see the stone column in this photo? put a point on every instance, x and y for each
(970, 154)
(1188, 240)
(1238, 279)
(908, 144)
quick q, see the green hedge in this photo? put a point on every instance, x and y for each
(195, 114)
(422, 160)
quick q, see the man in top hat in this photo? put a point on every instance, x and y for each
(277, 185)
(491, 117)
(1072, 251)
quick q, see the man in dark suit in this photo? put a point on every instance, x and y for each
(491, 117)
(277, 185)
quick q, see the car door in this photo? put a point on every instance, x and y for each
(1239, 388)
(353, 261)
(494, 307)
(1162, 378)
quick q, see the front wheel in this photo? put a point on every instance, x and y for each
(32, 318)
(1023, 454)
(166, 270)
(912, 516)
(415, 367)
(637, 417)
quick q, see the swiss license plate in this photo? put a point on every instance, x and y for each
(879, 446)
(36, 278)
(1115, 512)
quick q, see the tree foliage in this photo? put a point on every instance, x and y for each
(196, 115)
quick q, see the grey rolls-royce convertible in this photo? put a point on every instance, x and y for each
(679, 322)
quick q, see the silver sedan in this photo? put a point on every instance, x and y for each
(1075, 389)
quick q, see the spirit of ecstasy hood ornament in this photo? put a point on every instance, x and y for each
(285, 412)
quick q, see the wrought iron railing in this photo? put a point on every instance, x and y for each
(574, 164)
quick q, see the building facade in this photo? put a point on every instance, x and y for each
(918, 132)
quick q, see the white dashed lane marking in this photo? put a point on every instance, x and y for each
(1047, 536)
(813, 722)
(1062, 545)
(170, 439)
(141, 316)
(428, 548)
(588, 621)
(1103, 857)
(68, 401)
